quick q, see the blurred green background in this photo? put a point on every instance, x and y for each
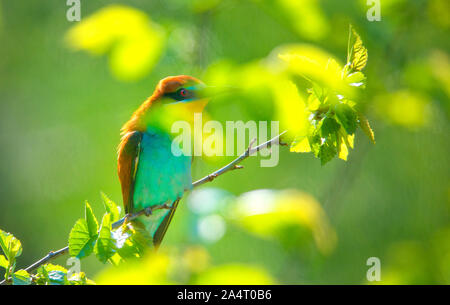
(61, 111)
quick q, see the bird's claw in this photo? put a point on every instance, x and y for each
(211, 177)
(148, 211)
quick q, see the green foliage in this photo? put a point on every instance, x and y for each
(111, 207)
(21, 277)
(47, 274)
(111, 242)
(334, 117)
(356, 53)
(10, 245)
(12, 248)
(127, 241)
(83, 235)
(126, 35)
(3, 261)
(104, 247)
(91, 221)
(50, 274)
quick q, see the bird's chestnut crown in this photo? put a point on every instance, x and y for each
(180, 88)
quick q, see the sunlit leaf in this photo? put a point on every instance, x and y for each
(111, 207)
(365, 126)
(316, 65)
(10, 245)
(104, 247)
(81, 242)
(300, 144)
(132, 41)
(21, 277)
(50, 274)
(90, 219)
(342, 149)
(134, 242)
(357, 52)
(3, 262)
(290, 107)
(356, 79)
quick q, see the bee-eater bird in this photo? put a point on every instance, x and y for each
(149, 172)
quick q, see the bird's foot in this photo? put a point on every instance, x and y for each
(148, 211)
(166, 206)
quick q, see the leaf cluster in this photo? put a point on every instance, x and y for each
(334, 115)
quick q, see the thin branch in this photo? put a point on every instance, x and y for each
(235, 163)
(148, 211)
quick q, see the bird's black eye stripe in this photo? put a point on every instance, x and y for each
(180, 94)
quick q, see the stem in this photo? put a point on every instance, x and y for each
(147, 211)
(234, 164)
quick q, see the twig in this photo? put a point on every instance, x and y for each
(148, 211)
(235, 163)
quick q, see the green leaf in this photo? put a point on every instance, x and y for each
(57, 275)
(347, 117)
(300, 144)
(319, 92)
(329, 126)
(365, 126)
(315, 141)
(132, 243)
(50, 274)
(356, 79)
(111, 207)
(358, 53)
(10, 245)
(81, 243)
(141, 237)
(327, 152)
(90, 220)
(21, 277)
(104, 248)
(4, 263)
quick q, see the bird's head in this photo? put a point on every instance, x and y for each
(175, 98)
(180, 89)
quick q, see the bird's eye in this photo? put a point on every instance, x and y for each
(183, 92)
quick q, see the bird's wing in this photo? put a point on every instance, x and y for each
(161, 231)
(127, 163)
